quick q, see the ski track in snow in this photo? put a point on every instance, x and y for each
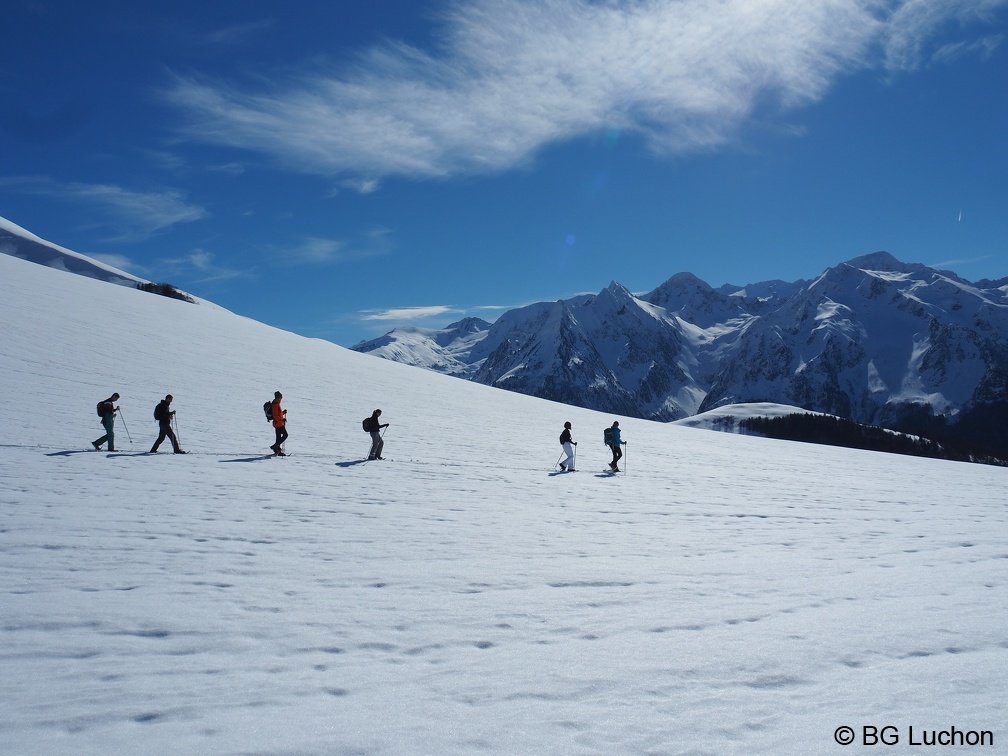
(727, 595)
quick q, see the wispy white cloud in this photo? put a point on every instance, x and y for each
(983, 47)
(912, 28)
(361, 186)
(240, 34)
(201, 265)
(315, 250)
(132, 214)
(423, 314)
(512, 76)
(409, 314)
(958, 263)
(121, 262)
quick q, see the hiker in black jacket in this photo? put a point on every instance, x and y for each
(567, 443)
(164, 416)
(374, 428)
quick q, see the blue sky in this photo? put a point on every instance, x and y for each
(341, 168)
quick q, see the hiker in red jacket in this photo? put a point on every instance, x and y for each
(279, 424)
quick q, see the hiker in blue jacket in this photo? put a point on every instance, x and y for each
(614, 445)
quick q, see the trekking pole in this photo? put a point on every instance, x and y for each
(574, 459)
(555, 464)
(178, 436)
(625, 458)
(121, 417)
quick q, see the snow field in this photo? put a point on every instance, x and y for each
(728, 595)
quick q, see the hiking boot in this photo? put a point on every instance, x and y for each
(179, 451)
(96, 445)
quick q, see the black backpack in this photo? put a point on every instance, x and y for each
(159, 412)
(607, 436)
(268, 409)
(368, 424)
(99, 408)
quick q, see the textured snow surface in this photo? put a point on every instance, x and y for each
(728, 595)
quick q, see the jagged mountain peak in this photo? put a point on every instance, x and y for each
(881, 261)
(618, 290)
(468, 325)
(678, 288)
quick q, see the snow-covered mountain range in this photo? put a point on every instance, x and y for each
(873, 340)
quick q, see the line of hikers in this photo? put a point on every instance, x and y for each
(611, 437)
(277, 415)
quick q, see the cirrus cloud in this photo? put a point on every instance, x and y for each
(409, 313)
(134, 215)
(513, 76)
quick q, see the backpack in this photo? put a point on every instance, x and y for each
(367, 424)
(607, 436)
(159, 411)
(99, 408)
(268, 409)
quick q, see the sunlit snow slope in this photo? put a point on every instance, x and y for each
(728, 595)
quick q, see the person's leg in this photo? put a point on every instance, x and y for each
(375, 441)
(161, 437)
(174, 441)
(568, 460)
(109, 422)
